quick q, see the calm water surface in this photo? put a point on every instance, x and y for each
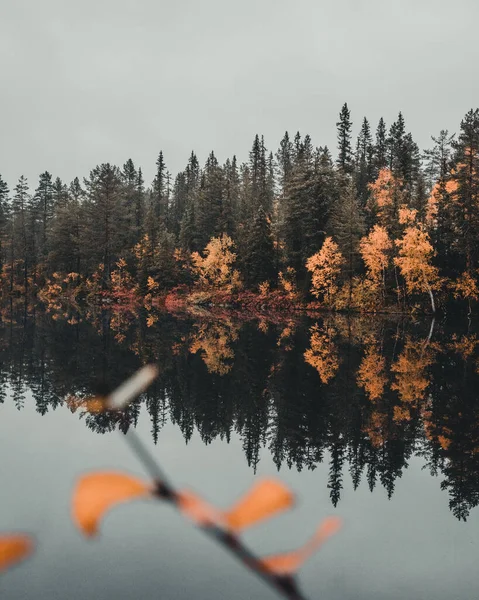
(376, 421)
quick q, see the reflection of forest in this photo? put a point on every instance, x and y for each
(370, 394)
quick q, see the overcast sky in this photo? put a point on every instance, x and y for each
(91, 81)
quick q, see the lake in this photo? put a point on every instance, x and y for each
(370, 419)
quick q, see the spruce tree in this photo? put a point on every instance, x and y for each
(380, 148)
(364, 172)
(259, 261)
(5, 214)
(43, 207)
(345, 156)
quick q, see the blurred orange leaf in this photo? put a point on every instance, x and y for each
(13, 549)
(262, 501)
(290, 562)
(97, 493)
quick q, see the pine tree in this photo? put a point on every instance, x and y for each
(364, 171)
(159, 191)
(347, 226)
(465, 206)
(20, 241)
(60, 193)
(381, 148)
(345, 156)
(284, 159)
(5, 214)
(259, 261)
(103, 234)
(43, 207)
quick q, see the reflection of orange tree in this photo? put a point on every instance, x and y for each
(371, 374)
(323, 353)
(60, 296)
(213, 340)
(412, 377)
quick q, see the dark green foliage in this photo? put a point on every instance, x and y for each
(345, 155)
(259, 259)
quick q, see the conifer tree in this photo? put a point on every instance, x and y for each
(345, 156)
(103, 233)
(43, 208)
(5, 214)
(364, 171)
(259, 262)
(381, 148)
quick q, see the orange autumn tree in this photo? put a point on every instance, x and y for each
(465, 287)
(375, 251)
(215, 268)
(415, 262)
(325, 267)
(386, 198)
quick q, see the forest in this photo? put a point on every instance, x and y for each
(380, 227)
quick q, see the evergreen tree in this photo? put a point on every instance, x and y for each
(345, 156)
(159, 198)
(43, 207)
(103, 234)
(381, 148)
(5, 214)
(364, 172)
(259, 261)
(347, 226)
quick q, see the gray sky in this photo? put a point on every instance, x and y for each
(103, 80)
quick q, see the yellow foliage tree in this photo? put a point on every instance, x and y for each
(325, 267)
(414, 262)
(215, 268)
(375, 250)
(386, 197)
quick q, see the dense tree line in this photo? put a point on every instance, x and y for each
(380, 202)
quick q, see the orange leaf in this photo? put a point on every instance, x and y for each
(13, 549)
(290, 562)
(96, 493)
(263, 500)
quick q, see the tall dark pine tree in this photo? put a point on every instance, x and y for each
(345, 155)
(60, 193)
(209, 213)
(230, 208)
(129, 176)
(5, 213)
(159, 198)
(259, 261)
(43, 207)
(259, 175)
(347, 226)
(19, 240)
(465, 209)
(284, 160)
(380, 148)
(438, 158)
(104, 231)
(364, 172)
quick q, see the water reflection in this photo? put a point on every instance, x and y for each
(368, 393)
